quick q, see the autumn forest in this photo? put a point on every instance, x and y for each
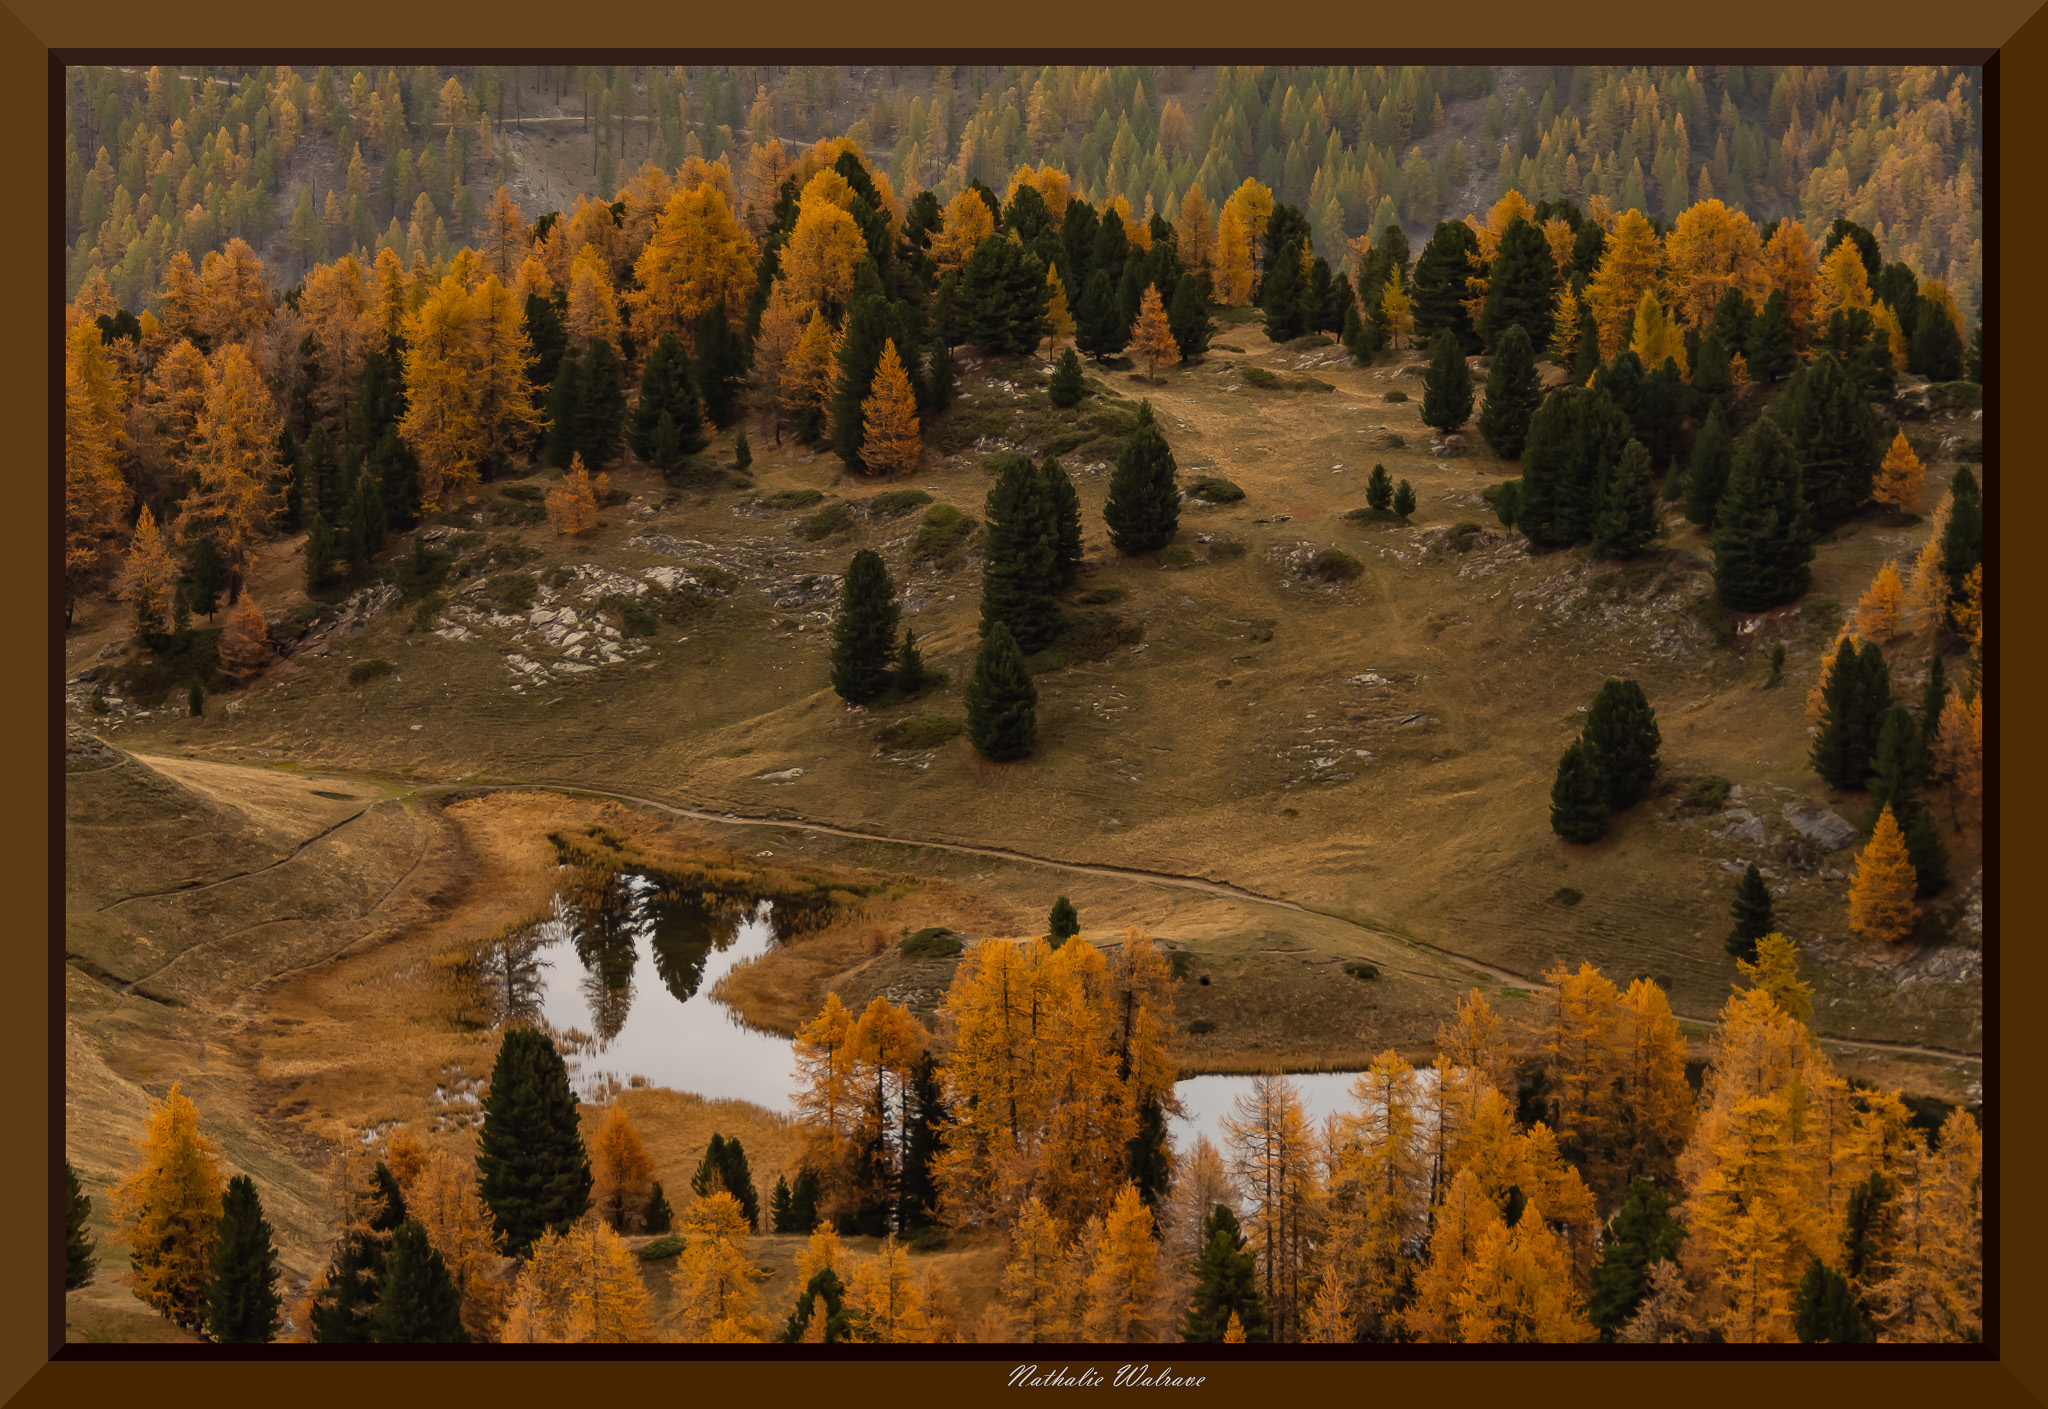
(1324, 705)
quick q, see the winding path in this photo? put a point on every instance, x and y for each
(1167, 878)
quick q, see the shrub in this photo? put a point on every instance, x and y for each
(1359, 969)
(1462, 536)
(1368, 514)
(784, 499)
(943, 534)
(1335, 565)
(1226, 347)
(1566, 896)
(666, 1246)
(423, 615)
(1178, 555)
(926, 1239)
(1708, 792)
(1971, 451)
(1200, 1026)
(1094, 634)
(713, 576)
(834, 518)
(1262, 378)
(1101, 596)
(1395, 396)
(526, 493)
(512, 591)
(1180, 962)
(422, 570)
(938, 942)
(1215, 490)
(891, 502)
(1707, 612)
(634, 618)
(1223, 550)
(516, 513)
(961, 427)
(364, 671)
(1506, 498)
(927, 731)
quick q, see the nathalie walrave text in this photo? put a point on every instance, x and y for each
(1087, 1377)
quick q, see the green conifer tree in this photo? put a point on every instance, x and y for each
(1066, 505)
(1020, 572)
(742, 453)
(828, 1293)
(1754, 917)
(1379, 490)
(1064, 922)
(535, 1174)
(1438, 288)
(1770, 352)
(241, 1299)
(1187, 317)
(600, 413)
(1622, 740)
(1002, 702)
(803, 1200)
(1926, 852)
(1825, 1309)
(419, 1304)
(668, 387)
(1962, 542)
(1226, 1282)
(1283, 296)
(1578, 802)
(917, 1190)
(1765, 539)
(355, 1279)
(1446, 386)
(938, 383)
(908, 676)
(1518, 288)
(1713, 453)
(1404, 499)
(1576, 440)
(1513, 392)
(563, 394)
(658, 1218)
(1628, 522)
(1586, 356)
(723, 356)
(1898, 763)
(1935, 350)
(1066, 379)
(1833, 432)
(319, 562)
(1148, 1158)
(778, 1206)
(866, 331)
(864, 631)
(1642, 1232)
(1872, 1217)
(1143, 511)
(81, 1258)
(1854, 705)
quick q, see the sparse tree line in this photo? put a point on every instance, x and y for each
(1550, 1181)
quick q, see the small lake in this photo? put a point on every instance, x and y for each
(631, 967)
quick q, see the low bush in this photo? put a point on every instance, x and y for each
(1395, 396)
(1102, 596)
(1223, 550)
(1359, 969)
(892, 502)
(512, 591)
(1566, 896)
(926, 731)
(1200, 1026)
(938, 942)
(1215, 490)
(525, 493)
(784, 499)
(1335, 565)
(666, 1246)
(1708, 793)
(1262, 378)
(364, 671)
(939, 539)
(833, 518)
(1178, 555)
(634, 618)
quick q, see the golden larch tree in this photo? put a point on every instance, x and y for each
(549, 1301)
(152, 578)
(1900, 478)
(1881, 903)
(1195, 231)
(95, 495)
(1233, 1333)
(889, 439)
(335, 307)
(883, 1305)
(1233, 259)
(1793, 267)
(167, 1208)
(236, 457)
(827, 1103)
(1034, 1288)
(622, 1172)
(1968, 614)
(698, 254)
(572, 504)
(1776, 972)
(1119, 1299)
(715, 1283)
(1712, 249)
(1883, 315)
(813, 368)
(1564, 324)
(1518, 1288)
(1655, 337)
(967, 223)
(593, 313)
(1933, 1290)
(1464, 1216)
(443, 1196)
(1959, 757)
(1844, 282)
(1251, 206)
(1629, 269)
(1151, 337)
(782, 329)
(1399, 311)
(505, 236)
(1059, 318)
(506, 416)
(824, 250)
(245, 650)
(1578, 1030)
(442, 366)
(1656, 1102)
(1878, 609)
(1378, 1190)
(1272, 1158)
(234, 294)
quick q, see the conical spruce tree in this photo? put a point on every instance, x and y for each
(1825, 1309)
(81, 1259)
(355, 1279)
(1226, 1283)
(319, 554)
(658, 1217)
(241, 1300)
(1064, 922)
(563, 395)
(864, 632)
(1446, 386)
(1935, 350)
(908, 676)
(778, 1206)
(720, 367)
(419, 1304)
(1622, 740)
(1513, 392)
(938, 381)
(1765, 539)
(1642, 1232)
(867, 330)
(1404, 499)
(1066, 380)
(1769, 351)
(1576, 439)
(742, 453)
(535, 1172)
(1578, 802)
(1898, 763)
(1926, 853)
(1439, 285)
(600, 413)
(1713, 453)
(1518, 287)
(803, 1200)
(1753, 915)
(1143, 511)
(1586, 355)
(1002, 703)
(1066, 505)
(1712, 379)
(1020, 569)
(1187, 317)
(917, 1189)
(1854, 703)
(1284, 297)
(1962, 542)
(1379, 490)
(1833, 432)
(1627, 522)
(1148, 1159)
(667, 387)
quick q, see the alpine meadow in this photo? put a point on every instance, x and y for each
(1090, 704)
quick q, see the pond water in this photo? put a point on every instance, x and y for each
(631, 967)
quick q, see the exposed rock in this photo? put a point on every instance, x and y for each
(1739, 824)
(786, 775)
(1817, 824)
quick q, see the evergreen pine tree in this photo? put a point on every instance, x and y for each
(1064, 922)
(1974, 366)
(864, 632)
(355, 1280)
(1854, 704)
(1712, 380)
(1765, 539)
(1284, 297)
(1379, 490)
(1674, 482)
(866, 331)
(1226, 1283)
(535, 1173)
(1518, 288)
(1927, 853)
(1733, 316)
(1713, 452)
(1628, 521)
(1446, 386)
(600, 412)
(1020, 572)
(1753, 915)
(1404, 499)
(1872, 1219)
(398, 479)
(778, 1206)
(368, 520)
(206, 574)
(917, 1201)
(1148, 1160)
(563, 394)
(195, 699)
(668, 387)
(1066, 508)
(1513, 392)
(1622, 740)
(665, 449)
(1187, 316)
(1066, 380)
(824, 1295)
(1576, 440)
(1143, 511)
(1829, 423)
(1578, 802)
(1935, 350)
(1641, 1232)
(242, 1299)
(938, 382)
(419, 1304)
(1439, 286)
(1825, 1309)
(81, 1258)
(1769, 353)
(1898, 764)
(658, 1217)
(1933, 698)
(721, 363)
(1586, 356)
(319, 562)
(1962, 542)
(294, 513)
(803, 1201)
(742, 453)
(1002, 702)
(908, 676)
(1003, 297)
(320, 475)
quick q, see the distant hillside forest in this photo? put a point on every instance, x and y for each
(308, 164)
